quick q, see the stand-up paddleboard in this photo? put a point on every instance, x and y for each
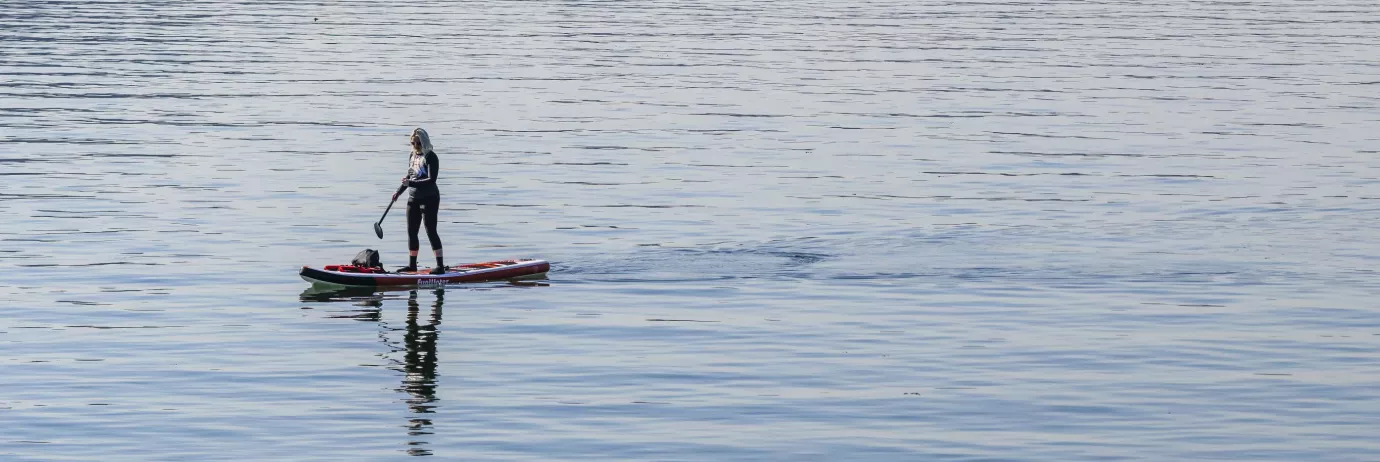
(354, 276)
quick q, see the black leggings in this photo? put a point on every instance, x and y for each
(418, 210)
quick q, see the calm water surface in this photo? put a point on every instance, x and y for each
(792, 230)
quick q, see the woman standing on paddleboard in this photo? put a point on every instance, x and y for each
(424, 201)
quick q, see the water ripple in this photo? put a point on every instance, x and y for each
(881, 230)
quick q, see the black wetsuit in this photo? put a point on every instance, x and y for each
(424, 200)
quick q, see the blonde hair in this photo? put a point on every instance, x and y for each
(426, 141)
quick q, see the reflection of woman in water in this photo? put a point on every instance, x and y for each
(418, 363)
(419, 368)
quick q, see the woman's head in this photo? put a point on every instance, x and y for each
(421, 143)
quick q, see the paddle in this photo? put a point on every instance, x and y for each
(378, 227)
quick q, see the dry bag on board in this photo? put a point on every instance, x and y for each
(368, 258)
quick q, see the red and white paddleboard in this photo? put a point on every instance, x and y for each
(345, 275)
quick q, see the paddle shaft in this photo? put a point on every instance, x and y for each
(378, 227)
(395, 199)
(385, 210)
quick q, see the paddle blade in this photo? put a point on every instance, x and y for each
(378, 230)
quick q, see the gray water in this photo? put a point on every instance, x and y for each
(791, 230)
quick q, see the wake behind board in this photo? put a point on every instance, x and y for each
(353, 276)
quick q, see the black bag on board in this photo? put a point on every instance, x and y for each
(368, 258)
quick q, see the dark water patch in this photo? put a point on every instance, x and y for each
(736, 166)
(677, 320)
(616, 148)
(1292, 124)
(78, 265)
(1050, 135)
(504, 205)
(1066, 154)
(120, 327)
(641, 206)
(83, 303)
(986, 173)
(726, 131)
(83, 141)
(101, 212)
(954, 198)
(133, 155)
(923, 116)
(1169, 175)
(564, 130)
(310, 123)
(883, 276)
(591, 183)
(7, 196)
(735, 114)
(1226, 133)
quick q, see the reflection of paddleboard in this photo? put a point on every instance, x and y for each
(343, 275)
